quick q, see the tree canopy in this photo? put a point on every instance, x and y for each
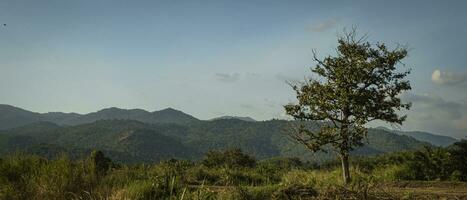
(359, 84)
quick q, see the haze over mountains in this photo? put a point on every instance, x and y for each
(249, 119)
(135, 135)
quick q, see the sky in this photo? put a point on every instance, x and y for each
(214, 58)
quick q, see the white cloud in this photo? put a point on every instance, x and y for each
(448, 78)
(435, 114)
(437, 106)
(247, 106)
(227, 77)
(325, 25)
(462, 123)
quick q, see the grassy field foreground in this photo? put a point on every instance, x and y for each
(220, 175)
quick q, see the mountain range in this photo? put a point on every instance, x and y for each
(11, 117)
(437, 140)
(135, 135)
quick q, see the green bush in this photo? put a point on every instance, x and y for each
(394, 173)
(300, 177)
(229, 158)
(155, 188)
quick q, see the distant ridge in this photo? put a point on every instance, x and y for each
(434, 139)
(132, 141)
(12, 117)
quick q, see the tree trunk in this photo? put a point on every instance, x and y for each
(345, 167)
(345, 146)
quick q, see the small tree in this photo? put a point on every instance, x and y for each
(358, 85)
(100, 163)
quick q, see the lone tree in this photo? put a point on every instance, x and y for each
(357, 85)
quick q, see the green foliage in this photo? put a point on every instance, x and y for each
(155, 188)
(358, 85)
(134, 142)
(100, 163)
(24, 176)
(230, 158)
(301, 177)
(394, 172)
(428, 164)
(282, 163)
(458, 152)
(31, 177)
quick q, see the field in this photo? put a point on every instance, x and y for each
(228, 174)
(429, 189)
(399, 190)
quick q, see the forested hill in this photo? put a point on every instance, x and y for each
(134, 141)
(437, 140)
(12, 117)
(134, 135)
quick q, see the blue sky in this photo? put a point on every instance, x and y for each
(212, 58)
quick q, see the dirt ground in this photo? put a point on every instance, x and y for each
(408, 190)
(428, 190)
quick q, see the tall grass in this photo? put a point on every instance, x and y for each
(31, 177)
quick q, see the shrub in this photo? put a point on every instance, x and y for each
(101, 164)
(156, 188)
(200, 174)
(230, 158)
(394, 173)
(300, 177)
